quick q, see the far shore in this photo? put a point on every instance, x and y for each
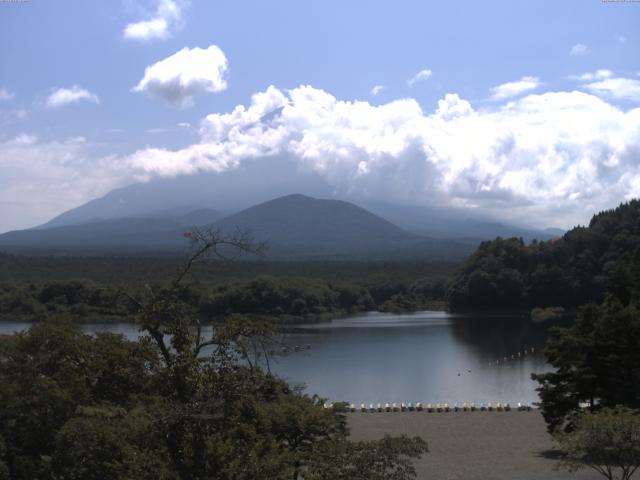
(473, 445)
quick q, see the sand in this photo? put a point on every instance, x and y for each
(473, 445)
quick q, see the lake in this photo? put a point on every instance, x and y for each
(429, 356)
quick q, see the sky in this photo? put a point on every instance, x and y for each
(526, 111)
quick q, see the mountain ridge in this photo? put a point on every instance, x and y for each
(296, 226)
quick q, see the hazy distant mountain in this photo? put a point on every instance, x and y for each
(121, 235)
(294, 226)
(446, 222)
(234, 190)
(229, 191)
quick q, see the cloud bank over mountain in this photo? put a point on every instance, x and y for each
(553, 154)
(551, 158)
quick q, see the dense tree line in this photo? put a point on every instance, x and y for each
(266, 295)
(594, 389)
(596, 361)
(275, 296)
(581, 267)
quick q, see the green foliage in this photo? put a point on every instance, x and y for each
(607, 441)
(51, 370)
(581, 267)
(268, 295)
(303, 291)
(385, 459)
(177, 404)
(596, 361)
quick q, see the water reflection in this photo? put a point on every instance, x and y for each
(426, 356)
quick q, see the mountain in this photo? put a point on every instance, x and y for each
(447, 222)
(294, 226)
(121, 236)
(229, 191)
(237, 189)
(301, 225)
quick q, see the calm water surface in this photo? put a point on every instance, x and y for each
(424, 356)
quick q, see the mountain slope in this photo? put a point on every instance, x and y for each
(447, 222)
(160, 233)
(298, 219)
(294, 226)
(297, 226)
(228, 191)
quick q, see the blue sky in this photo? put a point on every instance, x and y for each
(57, 152)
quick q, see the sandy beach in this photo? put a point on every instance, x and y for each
(473, 445)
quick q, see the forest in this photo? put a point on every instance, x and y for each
(91, 289)
(583, 266)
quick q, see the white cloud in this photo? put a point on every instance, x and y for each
(42, 178)
(5, 95)
(377, 89)
(419, 77)
(184, 125)
(65, 96)
(532, 158)
(184, 74)
(591, 76)
(618, 88)
(622, 39)
(579, 49)
(167, 16)
(513, 89)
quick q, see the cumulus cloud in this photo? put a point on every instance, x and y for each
(376, 89)
(579, 49)
(419, 77)
(548, 157)
(159, 25)
(65, 96)
(186, 73)
(5, 95)
(603, 83)
(513, 89)
(617, 88)
(590, 76)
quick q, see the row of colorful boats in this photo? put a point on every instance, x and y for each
(438, 407)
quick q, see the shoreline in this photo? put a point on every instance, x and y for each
(473, 445)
